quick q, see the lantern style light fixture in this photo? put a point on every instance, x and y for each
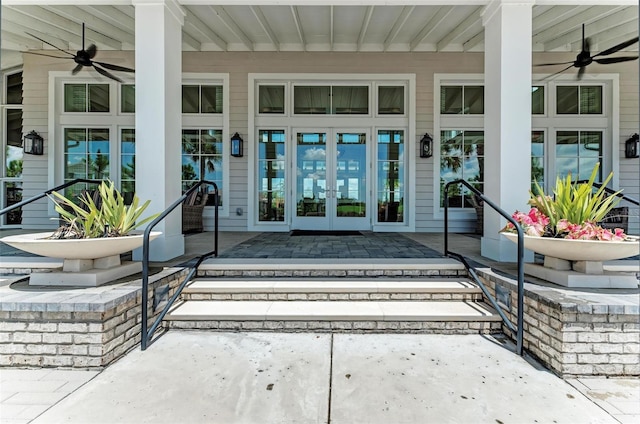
(33, 144)
(426, 146)
(236, 145)
(631, 147)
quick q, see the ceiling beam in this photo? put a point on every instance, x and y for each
(397, 25)
(441, 14)
(585, 16)
(28, 24)
(264, 23)
(609, 38)
(23, 43)
(296, 20)
(235, 29)
(460, 29)
(189, 41)
(56, 22)
(199, 25)
(112, 16)
(593, 28)
(473, 41)
(365, 25)
(18, 29)
(552, 16)
(93, 22)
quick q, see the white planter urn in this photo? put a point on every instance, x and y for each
(579, 263)
(87, 262)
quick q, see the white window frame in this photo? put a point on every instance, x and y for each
(608, 122)
(289, 120)
(115, 120)
(214, 121)
(4, 142)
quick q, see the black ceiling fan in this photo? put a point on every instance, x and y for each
(84, 58)
(585, 58)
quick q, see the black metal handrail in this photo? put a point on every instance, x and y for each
(519, 328)
(612, 192)
(48, 192)
(147, 333)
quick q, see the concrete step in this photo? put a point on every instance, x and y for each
(441, 317)
(333, 289)
(323, 268)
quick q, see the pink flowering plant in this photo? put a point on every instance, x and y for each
(572, 213)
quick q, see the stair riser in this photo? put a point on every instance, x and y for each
(333, 273)
(430, 327)
(469, 297)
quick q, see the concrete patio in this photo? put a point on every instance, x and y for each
(196, 377)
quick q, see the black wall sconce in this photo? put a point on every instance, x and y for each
(236, 145)
(426, 146)
(33, 144)
(631, 147)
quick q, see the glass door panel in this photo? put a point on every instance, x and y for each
(331, 180)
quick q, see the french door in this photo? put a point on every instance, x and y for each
(332, 170)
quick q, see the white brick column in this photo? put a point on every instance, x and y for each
(507, 118)
(159, 116)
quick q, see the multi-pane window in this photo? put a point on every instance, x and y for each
(271, 175)
(86, 97)
(325, 100)
(461, 157)
(128, 163)
(579, 100)
(391, 100)
(86, 155)
(127, 98)
(11, 173)
(537, 100)
(577, 153)
(202, 159)
(462, 99)
(271, 99)
(391, 178)
(537, 159)
(202, 99)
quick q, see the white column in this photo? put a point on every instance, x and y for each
(507, 118)
(159, 117)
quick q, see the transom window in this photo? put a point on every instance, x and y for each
(86, 98)
(578, 100)
(462, 99)
(334, 100)
(202, 99)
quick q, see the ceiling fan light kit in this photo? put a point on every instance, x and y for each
(585, 57)
(84, 58)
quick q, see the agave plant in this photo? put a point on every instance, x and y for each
(110, 218)
(575, 203)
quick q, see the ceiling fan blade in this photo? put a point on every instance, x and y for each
(92, 50)
(47, 55)
(581, 72)
(552, 64)
(617, 47)
(48, 43)
(586, 45)
(106, 74)
(556, 73)
(114, 67)
(607, 60)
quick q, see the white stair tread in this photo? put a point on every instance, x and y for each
(331, 286)
(331, 311)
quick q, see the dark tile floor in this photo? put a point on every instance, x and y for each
(363, 245)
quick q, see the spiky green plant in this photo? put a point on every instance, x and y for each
(577, 203)
(112, 219)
